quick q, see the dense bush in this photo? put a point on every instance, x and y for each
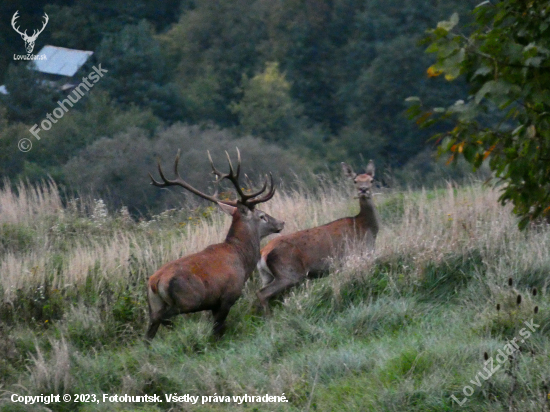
(118, 167)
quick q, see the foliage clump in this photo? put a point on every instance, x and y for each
(505, 57)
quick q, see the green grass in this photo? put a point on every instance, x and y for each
(402, 330)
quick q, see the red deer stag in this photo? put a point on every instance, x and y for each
(287, 260)
(212, 279)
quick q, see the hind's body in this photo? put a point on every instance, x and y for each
(287, 260)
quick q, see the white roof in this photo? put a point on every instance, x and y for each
(61, 61)
(3, 90)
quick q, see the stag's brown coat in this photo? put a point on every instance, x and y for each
(212, 279)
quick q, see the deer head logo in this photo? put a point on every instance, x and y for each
(29, 40)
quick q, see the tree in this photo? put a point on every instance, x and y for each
(266, 109)
(137, 72)
(215, 44)
(506, 60)
(29, 98)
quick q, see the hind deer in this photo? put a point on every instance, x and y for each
(212, 279)
(287, 260)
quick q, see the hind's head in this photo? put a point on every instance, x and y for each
(363, 182)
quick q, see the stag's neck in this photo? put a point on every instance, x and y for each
(245, 242)
(368, 217)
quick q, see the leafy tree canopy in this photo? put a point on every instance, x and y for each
(266, 109)
(505, 118)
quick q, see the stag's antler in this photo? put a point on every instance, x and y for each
(250, 200)
(178, 181)
(233, 177)
(265, 197)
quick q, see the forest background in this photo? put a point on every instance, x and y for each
(309, 83)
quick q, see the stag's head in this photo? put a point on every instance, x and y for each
(363, 182)
(244, 208)
(29, 40)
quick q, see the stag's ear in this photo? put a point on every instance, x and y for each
(370, 169)
(245, 211)
(348, 171)
(230, 210)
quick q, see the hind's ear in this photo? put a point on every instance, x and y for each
(348, 171)
(230, 210)
(370, 169)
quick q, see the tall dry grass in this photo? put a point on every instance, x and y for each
(76, 242)
(71, 247)
(414, 317)
(29, 202)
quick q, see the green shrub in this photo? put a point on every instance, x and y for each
(16, 237)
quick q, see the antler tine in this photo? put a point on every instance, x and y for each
(238, 162)
(176, 164)
(165, 182)
(232, 176)
(259, 192)
(154, 182)
(231, 170)
(267, 196)
(219, 175)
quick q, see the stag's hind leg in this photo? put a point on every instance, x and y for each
(278, 286)
(265, 273)
(159, 318)
(152, 330)
(220, 314)
(159, 312)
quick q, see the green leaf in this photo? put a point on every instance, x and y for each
(496, 88)
(452, 64)
(518, 129)
(449, 24)
(482, 71)
(533, 61)
(469, 153)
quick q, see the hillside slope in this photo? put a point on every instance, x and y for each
(452, 281)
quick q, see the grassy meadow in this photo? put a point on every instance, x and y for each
(403, 329)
